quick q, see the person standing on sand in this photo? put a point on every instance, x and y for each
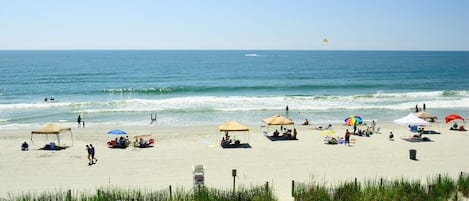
(79, 120)
(347, 137)
(355, 128)
(93, 159)
(286, 111)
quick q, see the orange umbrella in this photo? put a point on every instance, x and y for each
(451, 117)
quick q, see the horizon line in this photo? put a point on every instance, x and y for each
(130, 49)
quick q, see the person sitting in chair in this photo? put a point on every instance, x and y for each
(276, 133)
(25, 146)
(142, 143)
(455, 127)
(391, 136)
(227, 138)
(419, 135)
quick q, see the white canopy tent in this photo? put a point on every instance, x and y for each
(411, 119)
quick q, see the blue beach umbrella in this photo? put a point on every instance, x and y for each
(116, 132)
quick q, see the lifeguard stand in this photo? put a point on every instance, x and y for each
(198, 172)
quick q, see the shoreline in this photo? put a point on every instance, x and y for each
(177, 148)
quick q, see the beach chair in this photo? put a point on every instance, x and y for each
(198, 172)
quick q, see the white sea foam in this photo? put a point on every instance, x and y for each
(203, 109)
(380, 100)
(392, 101)
(33, 105)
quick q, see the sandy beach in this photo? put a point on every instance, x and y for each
(176, 149)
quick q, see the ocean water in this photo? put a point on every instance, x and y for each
(210, 87)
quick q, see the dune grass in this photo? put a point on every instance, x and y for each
(437, 188)
(257, 193)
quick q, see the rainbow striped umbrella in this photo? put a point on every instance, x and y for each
(352, 119)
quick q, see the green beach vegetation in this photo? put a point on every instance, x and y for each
(255, 193)
(436, 188)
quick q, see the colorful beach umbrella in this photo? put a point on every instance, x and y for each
(352, 119)
(116, 132)
(451, 117)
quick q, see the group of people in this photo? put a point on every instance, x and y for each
(285, 133)
(91, 152)
(418, 109)
(457, 128)
(320, 127)
(80, 122)
(123, 142)
(47, 99)
(345, 140)
(225, 140)
(369, 130)
(141, 142)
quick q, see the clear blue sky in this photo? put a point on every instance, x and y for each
(235, 24)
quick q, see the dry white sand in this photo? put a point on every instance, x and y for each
(178, 148)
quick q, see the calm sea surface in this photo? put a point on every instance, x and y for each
(210, 87)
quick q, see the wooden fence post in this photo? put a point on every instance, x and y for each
(170, 193)
(69, 195)
(292, 187)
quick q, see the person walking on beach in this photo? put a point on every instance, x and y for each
(90, 160)
(93, 159)
(347, 137)
(424, 107)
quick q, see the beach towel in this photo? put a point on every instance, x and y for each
(413, 139)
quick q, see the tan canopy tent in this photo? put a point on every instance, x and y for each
(52, 129)
(277, 120)
(233, 126)
(426, 116)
